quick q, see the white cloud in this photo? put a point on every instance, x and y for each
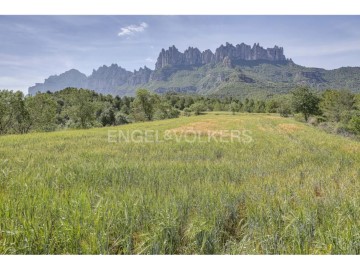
(149, 59)
(132, 29)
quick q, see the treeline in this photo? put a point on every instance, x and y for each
(77, 108)
(80, 108)
(333, 110)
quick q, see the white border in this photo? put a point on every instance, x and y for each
(180, 7)
(182, 262)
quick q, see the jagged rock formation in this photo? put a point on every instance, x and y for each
(207, 57)
(106, 78)
(141, 76)
(192, 56)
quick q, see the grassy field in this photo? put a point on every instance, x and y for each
(291, 189)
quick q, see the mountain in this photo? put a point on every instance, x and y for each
(72, 77)
(240, 70)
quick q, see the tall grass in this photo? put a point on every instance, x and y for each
(292, 190)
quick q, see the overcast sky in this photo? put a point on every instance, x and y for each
(34, 47)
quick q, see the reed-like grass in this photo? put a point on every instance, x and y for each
(293, 190)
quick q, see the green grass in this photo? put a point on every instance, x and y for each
(293, 190)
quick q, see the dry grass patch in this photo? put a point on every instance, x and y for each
(352, 148)
(288, 128)
(265, 128)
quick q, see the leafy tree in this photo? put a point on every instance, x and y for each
(127, 101)
(218, 106)
(165, 110)
(249, 105)
(142, 108)
(187, 112)
(42, 110)
(335, 103)
(260, 106)
(6, 111)
(234, 107)
(22, 122)
(354, 123)
(305, 102)
(180, 104)
(272, 106)
(107, 117)
(122, 118)
(188, 102)
(198, 107)
(118, 103)
(82, 109)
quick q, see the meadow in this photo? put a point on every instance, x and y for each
(291, 189)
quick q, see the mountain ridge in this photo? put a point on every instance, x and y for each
(231, 70)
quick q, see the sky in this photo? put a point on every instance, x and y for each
(34, 47)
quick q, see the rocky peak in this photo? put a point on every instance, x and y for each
(207, 57)
(140, 76)
(227, 62)
(192, 56)
(170, 57)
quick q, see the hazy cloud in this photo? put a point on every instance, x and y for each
(151, 60)
(132, 29)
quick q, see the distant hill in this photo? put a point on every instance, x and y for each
(241, 71)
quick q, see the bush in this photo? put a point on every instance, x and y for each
(122, 118)
(198, 108)
(187, 112)
(354, 124)
(284, 111)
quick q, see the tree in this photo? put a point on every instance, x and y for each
(271, 106)
(249, 105)
(260, 106)
(6, 111)
(164, 110)
(305, 102)
(42, 110)
(82, 108)
(354, 123)
(284, 106)
(21, 120)
(198, 107)
(142, 108)
(334, 104)
(234, 107)
(121, 118)
(107, 117)
(187, 112)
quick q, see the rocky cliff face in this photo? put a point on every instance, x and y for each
(141, 76)
(109, 79)
(192, 56)
(106, 78)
